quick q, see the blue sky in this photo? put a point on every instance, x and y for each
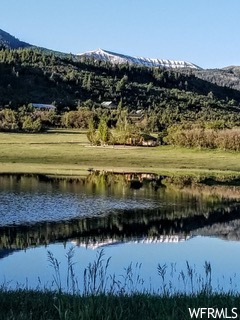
(205, 32)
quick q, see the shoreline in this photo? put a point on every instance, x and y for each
(181, 178)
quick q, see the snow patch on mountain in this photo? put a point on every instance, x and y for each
(117, 58)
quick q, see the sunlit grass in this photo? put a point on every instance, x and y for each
(70, 153)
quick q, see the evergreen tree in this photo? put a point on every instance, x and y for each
(103, 131)
(91, 134)
(89, 82)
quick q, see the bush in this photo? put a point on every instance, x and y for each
(226, 139)
(8, 120)
(76, 119)
(30, 125)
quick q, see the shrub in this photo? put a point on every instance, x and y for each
(226, 139)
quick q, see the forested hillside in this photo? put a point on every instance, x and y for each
(10, 42)
(226, 77)
(31, 75)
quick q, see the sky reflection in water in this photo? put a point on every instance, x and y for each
(133, 225)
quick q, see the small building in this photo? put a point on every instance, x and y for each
(136, 116)
(148, 140)
(109, 105)
(44, 107)
(145, 140)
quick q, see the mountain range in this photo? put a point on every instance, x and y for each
(10, 42)
(116, 58)
(43, 75)
(225, 77)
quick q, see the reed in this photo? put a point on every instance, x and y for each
(106, 297)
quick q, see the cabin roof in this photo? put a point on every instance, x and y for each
(43, 106)
(108, 104)
(148, 137)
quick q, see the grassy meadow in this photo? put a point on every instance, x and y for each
(68, 152)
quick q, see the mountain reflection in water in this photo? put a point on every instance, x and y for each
(105, 209)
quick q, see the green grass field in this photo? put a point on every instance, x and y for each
(69, 153)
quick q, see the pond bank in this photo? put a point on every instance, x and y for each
(178, 178)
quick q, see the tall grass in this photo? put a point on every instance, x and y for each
(97, 279)
(107, 297)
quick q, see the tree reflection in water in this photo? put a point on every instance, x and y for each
(172, 212)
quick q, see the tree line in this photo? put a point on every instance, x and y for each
(31, 75)
(173, 102)
(105, 126)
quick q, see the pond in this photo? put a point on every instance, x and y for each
(157, 234)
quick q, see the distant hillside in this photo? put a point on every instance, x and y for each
(226, 77)
(31, 75)
(10, 42)
(7, 41)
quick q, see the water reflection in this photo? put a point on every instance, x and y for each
(136, 218)
(104, 209)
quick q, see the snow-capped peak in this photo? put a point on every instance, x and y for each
(117, 58)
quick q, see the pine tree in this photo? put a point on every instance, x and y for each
(89, 82)
(85, 81)
(91, 134)
(103, 131)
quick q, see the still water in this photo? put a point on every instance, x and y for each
(154, 232)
